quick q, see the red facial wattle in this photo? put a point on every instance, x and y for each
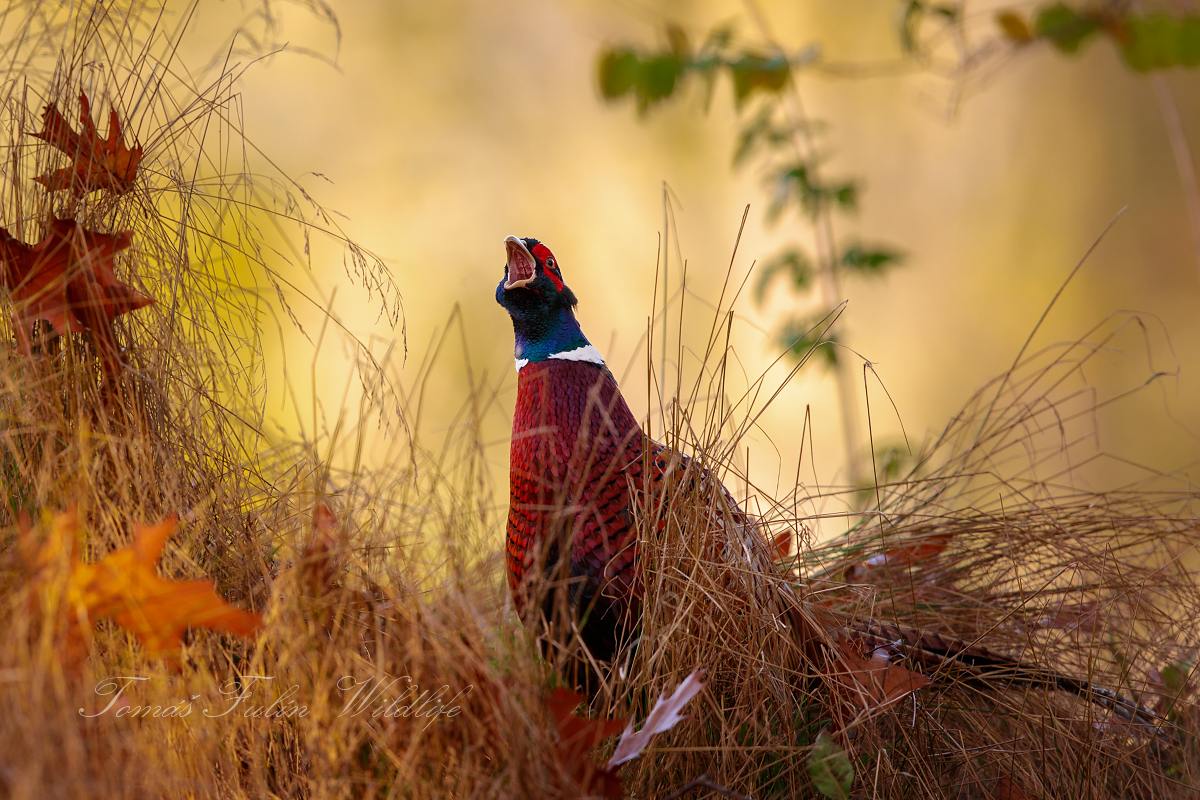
(549, 265)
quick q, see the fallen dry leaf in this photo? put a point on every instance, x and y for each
(125, 587)
(904, 555)
(873, 681)
(1083, 617)
(1008, 789)
(67, 279)
(323, 556)
(782, 544)
(95, 163)
(663, 716)
(1171, 684)
(911, 553)
(577, 738)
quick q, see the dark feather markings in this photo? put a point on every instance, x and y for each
(579, 461)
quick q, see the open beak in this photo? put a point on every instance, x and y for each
(521, 267)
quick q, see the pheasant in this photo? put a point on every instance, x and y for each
(579, 461)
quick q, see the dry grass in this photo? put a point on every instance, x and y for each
(1094, 583)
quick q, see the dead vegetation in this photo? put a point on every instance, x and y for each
(391, 663)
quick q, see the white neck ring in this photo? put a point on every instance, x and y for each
(586, 353)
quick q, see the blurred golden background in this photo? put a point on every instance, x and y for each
(446, 126)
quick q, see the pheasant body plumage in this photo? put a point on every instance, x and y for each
(576, 451)
(580, 464)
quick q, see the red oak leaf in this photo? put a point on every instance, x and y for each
(577, 737)
(95, 163)
(67, 279)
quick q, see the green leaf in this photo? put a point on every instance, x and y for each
(846, 195)
(914, 14)
(754, 72)
(801, 340)
(792, 263)
(651, 78)
(1063, 26)
(751, 135)
(1014, 27)
(1152, 41)
(870, 260)
(719, 38)
(657, 79)
(830, 768)
(782, 189)
(618, 71)
(796, 181)
(890, 461)
(1175, 675)
(762, 130)
(1189, 42)
(910, 23)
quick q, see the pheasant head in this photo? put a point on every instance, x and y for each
(541, 305)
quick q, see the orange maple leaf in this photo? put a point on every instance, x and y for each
(67, 279)
(95, 163)
(124, 586)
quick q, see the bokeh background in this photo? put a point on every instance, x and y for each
(442, 127)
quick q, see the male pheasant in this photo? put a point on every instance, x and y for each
(576, 450)
(579, 465)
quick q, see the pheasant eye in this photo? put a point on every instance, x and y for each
(550, 262)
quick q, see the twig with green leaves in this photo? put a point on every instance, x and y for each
(788, 147)
(779, 138)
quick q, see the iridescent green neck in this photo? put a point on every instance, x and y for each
(554, 334)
